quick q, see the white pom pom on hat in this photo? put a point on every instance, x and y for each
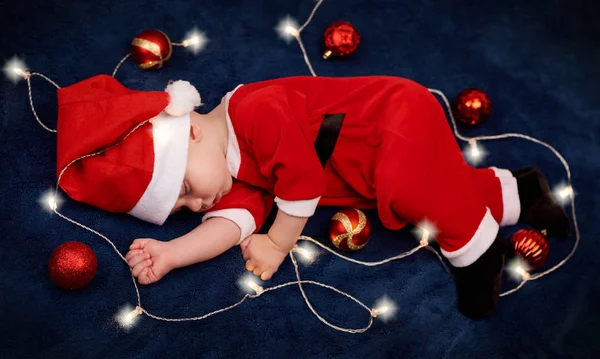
(183, 98)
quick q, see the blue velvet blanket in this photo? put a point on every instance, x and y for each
(537, 60)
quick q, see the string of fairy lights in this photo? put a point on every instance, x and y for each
(307, 249)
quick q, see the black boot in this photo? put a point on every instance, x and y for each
(478, 285)
(538, 207)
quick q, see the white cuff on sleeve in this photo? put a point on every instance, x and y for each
(510, 197)
(300, 208)
(479, 243)
(240, 216)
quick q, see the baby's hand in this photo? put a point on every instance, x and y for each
(149, 259)
(263, 257)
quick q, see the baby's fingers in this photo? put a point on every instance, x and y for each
(140, 266)
(132, 253)
(144, 277)
(250, 265)
(138, 243)
(135, 260)
(258, 272)
(266, 275)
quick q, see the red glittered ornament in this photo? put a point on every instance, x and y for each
(349, 229)
(150, 49)
(532, 246)
(472, 107)
(72, 265)
(341, 40)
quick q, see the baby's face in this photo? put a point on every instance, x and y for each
(206, 179)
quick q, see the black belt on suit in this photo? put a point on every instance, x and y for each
(328, 135)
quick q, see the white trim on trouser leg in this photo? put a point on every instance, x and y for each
(480, 242)
(510, 197)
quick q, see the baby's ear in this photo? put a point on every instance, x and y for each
(195, 132)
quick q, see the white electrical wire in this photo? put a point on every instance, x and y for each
(120, 63)
(27, 77)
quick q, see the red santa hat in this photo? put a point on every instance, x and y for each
(142, 138)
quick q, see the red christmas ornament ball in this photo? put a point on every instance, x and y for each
(349, 229)
(150, 49)
(341, 40)
(472, 107)
(72, 265)
(532, 246)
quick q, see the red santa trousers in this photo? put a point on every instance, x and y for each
(423, 178)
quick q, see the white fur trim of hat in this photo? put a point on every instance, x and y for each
(170, 132)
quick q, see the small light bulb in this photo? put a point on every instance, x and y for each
(291, 30)
(474, 153)
(131, 315)
(523, 273)
(127, 318)
(425, 231)
(287, 29)
(566, 192)
(425, 238)
(384, 309)
(475, 150)
(195, 41)
(15, 69)
(252, 285)
(52, 203)
(563, 193)
(380, 311)
(518, 268)
(307, 254)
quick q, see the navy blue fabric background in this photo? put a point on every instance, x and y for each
(538, 61)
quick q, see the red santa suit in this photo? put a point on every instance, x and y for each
(365, 142)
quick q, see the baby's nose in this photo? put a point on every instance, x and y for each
(195, 205)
